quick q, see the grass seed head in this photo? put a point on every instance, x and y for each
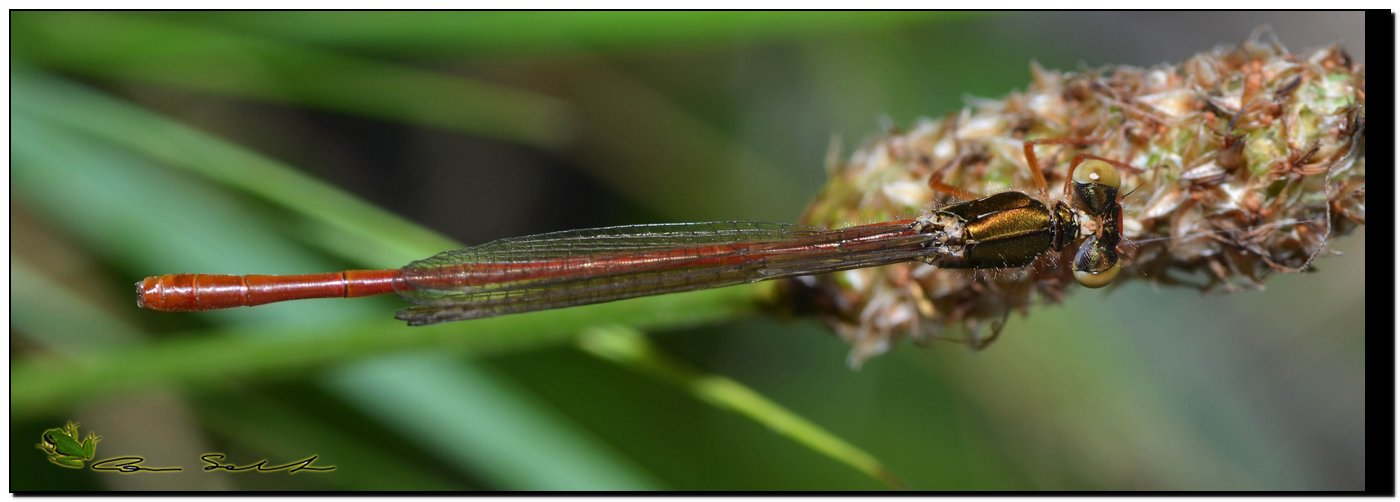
(1251, 159)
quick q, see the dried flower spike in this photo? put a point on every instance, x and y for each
(1240, 162)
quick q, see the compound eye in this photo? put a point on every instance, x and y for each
(1095, 265)
(1097, 280)
(1098, 172)
(1095, 186)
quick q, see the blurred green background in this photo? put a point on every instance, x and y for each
(286, 142)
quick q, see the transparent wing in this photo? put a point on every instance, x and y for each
(581, 267)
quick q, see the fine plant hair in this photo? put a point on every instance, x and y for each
(1243, 161)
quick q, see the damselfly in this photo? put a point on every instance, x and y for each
(564, 269)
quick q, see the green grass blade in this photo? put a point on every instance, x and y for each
(528, 448)
(138, 47)
(201, 358)
(285, 433)
(512, 33)
(338, 221)
(628, 347)
(523, 445)
(71, 333)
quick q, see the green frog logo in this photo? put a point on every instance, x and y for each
(65, 450)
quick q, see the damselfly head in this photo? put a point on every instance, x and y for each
(1094, 184)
